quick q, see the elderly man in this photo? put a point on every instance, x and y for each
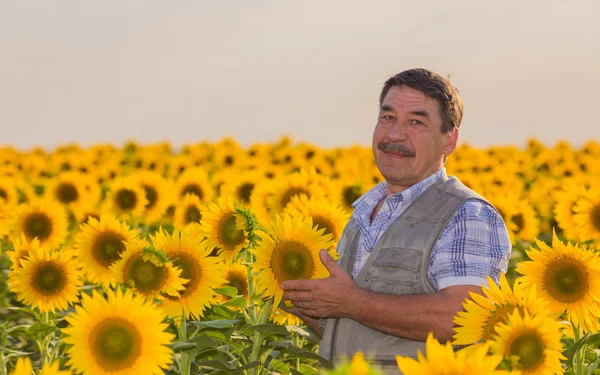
(416, 244)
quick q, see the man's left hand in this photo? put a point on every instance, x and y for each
(323, 298)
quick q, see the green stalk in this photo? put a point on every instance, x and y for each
(258, 337)
(580, 355)
(3, 368)
(186, 360)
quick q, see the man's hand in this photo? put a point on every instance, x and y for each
(323, 298)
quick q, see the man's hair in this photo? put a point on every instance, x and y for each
(433, 86)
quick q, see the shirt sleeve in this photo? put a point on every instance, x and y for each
(474, 245)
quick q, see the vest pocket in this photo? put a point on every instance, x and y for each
(381, 285)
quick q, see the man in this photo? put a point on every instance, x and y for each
(416, 244)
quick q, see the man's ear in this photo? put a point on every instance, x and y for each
(451, 139)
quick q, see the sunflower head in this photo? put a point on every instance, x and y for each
(121, 333)
(188, 211)
(127, 198)
(47, 280)
(45, 220)
(21, 250)
(290, 251)
(568, 277)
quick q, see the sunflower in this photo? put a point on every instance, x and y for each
(188, 211)
(349, 193)
(43, 218)
(324, 215)
(236, 275)
(8, 191)
(126, 198)
(282, 317)
(565, 200)
(225, 229)
(527, 226)
(150, 277)
(53, 369)
(75, 190)
(441, 359)
(194, 181)
(261, 194)
(531, 343)
(290, 251)
(482, 313)
(21, 248)
(47, 280)
(159, 194)
(120, 334)
(289, 186)
(239, 186)
(569, 279)
(357, 366)
(99, 244)
(587, 215)
(203, 272)
(23, 367)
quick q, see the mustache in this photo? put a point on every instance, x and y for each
(397, 148)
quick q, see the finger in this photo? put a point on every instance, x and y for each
(297, 284)
(311, 313)
(332, 266)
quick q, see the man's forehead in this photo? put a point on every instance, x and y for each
(399, 97)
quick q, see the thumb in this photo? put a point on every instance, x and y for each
(330, 263)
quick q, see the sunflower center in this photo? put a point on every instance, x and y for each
(192, 215)
(530, 350)
(322, 223)
(229, 234)
(108, 248)
(38, 225)
(566, 280)
(500, 315)
(192, 189)
(48, 279)
(289, 194)
(245, 191)
(292, 260)
(595, 217)
(3, 194)
(116, 344)
(190, 270)
(228, 160)
(126, 199)
(351, 194)
(146, 276)
(239, 283)
(151, 196)
(518, 220)
(67, 192)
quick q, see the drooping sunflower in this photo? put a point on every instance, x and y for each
(441, 359)
(159, 194)
(99, 244)
(531, 343)
(195, 181)
(568, 277)
(75, 190)
(188, 211)
(148, 275)
(120, 334)
(203, 272)
(290, 251)
(42, 218)
(587, 215)
(126, 198)
(324, 215)
(482, 313)
(47, 280)
(224, 228)
(21, 248)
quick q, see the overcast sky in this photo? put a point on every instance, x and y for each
(186, 71)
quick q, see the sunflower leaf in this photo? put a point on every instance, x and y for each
(236, 302)
(227, 291)
(39, 331)
(267, 330)
(587, 339)
(218, 324)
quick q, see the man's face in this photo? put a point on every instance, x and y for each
(408, 142)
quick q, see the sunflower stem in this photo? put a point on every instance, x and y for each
(258, 337)
(580, 355)
(3, 369)
(186, 360)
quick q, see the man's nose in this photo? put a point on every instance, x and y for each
(398, 131)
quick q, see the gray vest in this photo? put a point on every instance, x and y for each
(397, 265)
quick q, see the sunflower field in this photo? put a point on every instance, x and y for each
(147, 260)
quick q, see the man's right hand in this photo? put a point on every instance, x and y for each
(312, 323)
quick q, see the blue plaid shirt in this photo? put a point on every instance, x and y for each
(474, 244)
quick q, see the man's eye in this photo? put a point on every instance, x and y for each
(387, 118)
(416, 122)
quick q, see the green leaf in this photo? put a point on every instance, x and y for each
(592, 340)
(182, 346)
(218, 324)
(39, 331)
(267, 330)
(203, 342)
(228, 291)
(307, 370)
(236, 302)
(295, 372)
